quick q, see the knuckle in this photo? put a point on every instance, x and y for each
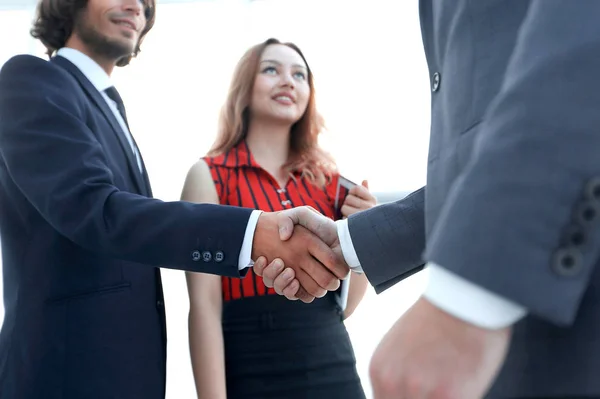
(414, 384)
(268, 282)
(325, 280)
(289, 294)
(316, 291)
(268, 274)
(384, 380)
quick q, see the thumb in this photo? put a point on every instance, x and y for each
(310, 219)
(302, 215)
(365, 184)
(285, 223)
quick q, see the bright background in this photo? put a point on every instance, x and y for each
(372, 87)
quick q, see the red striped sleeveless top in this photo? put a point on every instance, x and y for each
(241, 181)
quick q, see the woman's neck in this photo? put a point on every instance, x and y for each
(270, 146)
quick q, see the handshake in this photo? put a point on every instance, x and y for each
(304, 252)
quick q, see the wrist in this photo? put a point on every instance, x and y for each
(266, 232)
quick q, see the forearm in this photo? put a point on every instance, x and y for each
(524, 212)
(389, 240)
(356, 292)
(65, 172)
(207, 353)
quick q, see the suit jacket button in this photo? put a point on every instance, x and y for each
(436, 80)
(196, 256)
(592, 189)
(567, 262)
(206, 256)
(159, 304)
(575, 236)
(587, 212)
(219, 256)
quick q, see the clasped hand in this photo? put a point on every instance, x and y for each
(305, 242)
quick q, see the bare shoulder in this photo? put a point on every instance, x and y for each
(199, 185)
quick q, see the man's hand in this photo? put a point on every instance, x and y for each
(309, 218)
(429, 354)
(315, 264)
(282, 280)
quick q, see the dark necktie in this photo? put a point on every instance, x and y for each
(113, 94)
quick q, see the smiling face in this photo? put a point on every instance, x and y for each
(281, 89)
(109, 29)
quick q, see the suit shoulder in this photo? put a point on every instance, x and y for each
(24, 63)
(25, 69)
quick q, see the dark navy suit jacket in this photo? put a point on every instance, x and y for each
(82, 243)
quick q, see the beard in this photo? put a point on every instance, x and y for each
(99, 43)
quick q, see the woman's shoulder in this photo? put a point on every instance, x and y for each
(235, 157)
(199, 173)
(199, 184)
(214, 160)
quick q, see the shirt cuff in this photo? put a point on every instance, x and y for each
(347, 247)
(470, 302)
(245, 259)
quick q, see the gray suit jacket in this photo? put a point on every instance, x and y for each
(513, 185)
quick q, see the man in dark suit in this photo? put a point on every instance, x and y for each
(81, 239)
(510, 216)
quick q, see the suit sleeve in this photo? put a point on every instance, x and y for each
(61, 169)
(523, 219)
(389, 240)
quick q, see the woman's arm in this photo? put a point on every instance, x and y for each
(204, 290)
(359, 198)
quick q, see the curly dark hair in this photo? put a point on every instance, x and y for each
(55, 20)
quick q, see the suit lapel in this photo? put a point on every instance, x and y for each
(97, 98)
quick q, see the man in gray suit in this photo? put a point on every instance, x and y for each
(509, 223)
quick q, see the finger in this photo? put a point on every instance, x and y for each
(365, 184)
(311, 287)
(312, 209)
(285, 223)
(304, 296)
(271, 272)
(260, 265)
(283, 280)
(321, 274)
(354, 201)
(349, 210)
(291, 291)
(361, 192)
(285, 283)
(327, 267)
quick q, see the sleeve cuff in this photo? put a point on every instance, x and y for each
(347, 247)
(245, 259)
(469, 302)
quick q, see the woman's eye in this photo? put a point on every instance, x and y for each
(270, 70)
(300, 75)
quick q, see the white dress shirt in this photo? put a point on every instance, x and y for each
(101, 81)
(450, 292)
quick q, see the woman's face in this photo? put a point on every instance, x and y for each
(281, 91)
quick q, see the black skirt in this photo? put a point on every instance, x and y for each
(276, 348)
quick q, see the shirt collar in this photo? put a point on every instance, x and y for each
(238, 156)
(90, 69)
